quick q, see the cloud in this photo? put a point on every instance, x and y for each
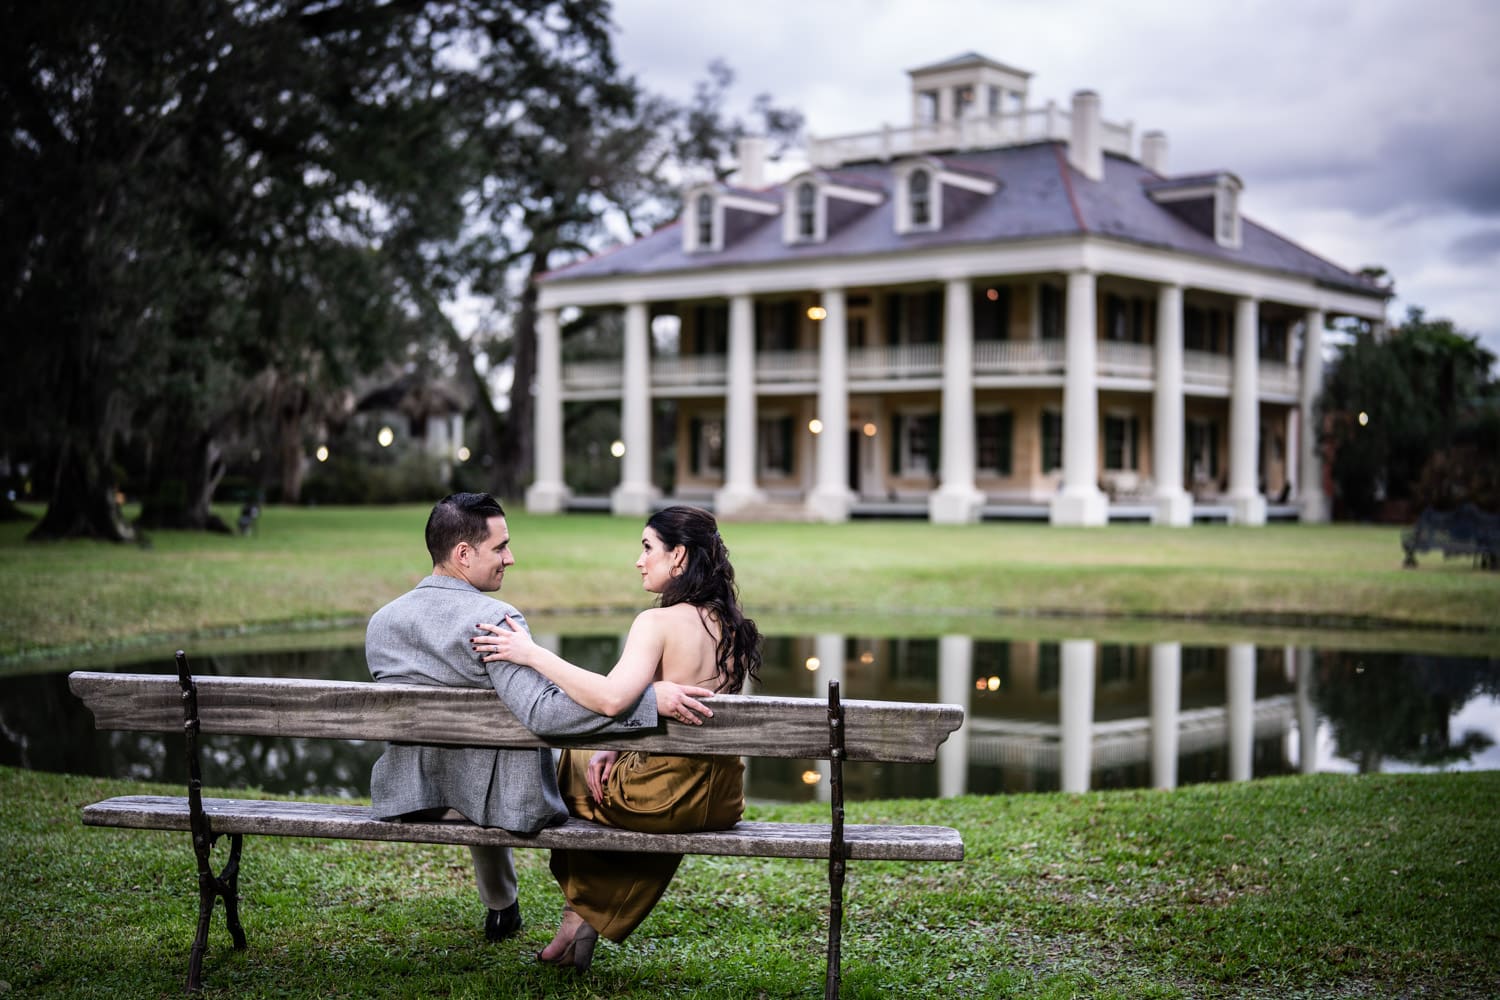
(1475, 248)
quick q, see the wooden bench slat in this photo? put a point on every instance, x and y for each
(313, 819)
(743, 725)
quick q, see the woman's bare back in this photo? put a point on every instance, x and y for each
(689, 641)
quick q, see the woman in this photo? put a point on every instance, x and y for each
(696, 635)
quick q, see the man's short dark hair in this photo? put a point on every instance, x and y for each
(460, 517)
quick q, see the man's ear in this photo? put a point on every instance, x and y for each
(461, 554)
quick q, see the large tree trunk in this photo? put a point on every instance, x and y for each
(516, 441)
(83, 502)
(289, 415)
(185, 469)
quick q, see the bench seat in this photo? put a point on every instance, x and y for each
(315, 819)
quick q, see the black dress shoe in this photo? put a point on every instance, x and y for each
(501, 924)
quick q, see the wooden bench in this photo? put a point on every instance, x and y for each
(1467, 531)
(750, 726)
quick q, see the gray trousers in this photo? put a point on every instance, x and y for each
(494, 868)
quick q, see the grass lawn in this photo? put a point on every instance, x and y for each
(322, 566)
(1318, 886)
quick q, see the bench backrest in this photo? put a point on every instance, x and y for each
(742, 725)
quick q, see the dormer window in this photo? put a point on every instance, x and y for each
(934, 193)
(816, 205)
(807, 210)
(919, 198)
(1210, 203)
(705, 219)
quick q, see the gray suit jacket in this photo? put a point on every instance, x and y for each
(422, 637)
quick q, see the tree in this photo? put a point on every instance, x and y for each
(203, 199)
(1390, 405)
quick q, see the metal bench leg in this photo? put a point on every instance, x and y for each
(210, 886)
(837, 849)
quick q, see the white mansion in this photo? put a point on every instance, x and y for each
(1000, 308)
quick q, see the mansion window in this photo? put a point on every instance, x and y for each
(1052, 440)
(992, 313)
(706, 445)
(919, 198)
(705, 213)
(1125, 319)
(711, 329)
(1202, 452)
(915, 444)
(807, 211)
(1204, 330)
(915, 317)
(1050, 311)
(1274, 337)
(1121, 664)
(992, 443)
(1121, 441)
(775, 442)
(776, 325)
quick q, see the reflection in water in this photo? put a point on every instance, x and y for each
(1039, 716)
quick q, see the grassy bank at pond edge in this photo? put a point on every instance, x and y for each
(315, 567)
(1315, 886)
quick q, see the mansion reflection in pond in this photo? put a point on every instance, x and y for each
(1072, 715)
(1078, 715)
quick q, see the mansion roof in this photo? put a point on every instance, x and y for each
(1037, 196)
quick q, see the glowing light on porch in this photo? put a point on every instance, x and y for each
(811, 777)
(867, 657)
(869, 430)
(617, 449)
(815, 425)
(1364, 418)
(385, 437)
(813, 663)
(463, 454)
(816, 313)
(322, 453)
(993, 683)
(993, 294)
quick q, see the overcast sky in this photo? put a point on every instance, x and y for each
(1366, 130)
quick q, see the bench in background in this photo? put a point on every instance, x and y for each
(743, 725)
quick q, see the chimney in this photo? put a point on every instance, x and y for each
(751, 152)
(1086, 147)
(1154, 151)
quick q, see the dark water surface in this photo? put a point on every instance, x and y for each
(1039, 715)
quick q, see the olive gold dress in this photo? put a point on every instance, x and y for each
(653, 793)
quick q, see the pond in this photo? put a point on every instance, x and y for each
(1040, 714)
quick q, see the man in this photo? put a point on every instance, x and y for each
(422, 637)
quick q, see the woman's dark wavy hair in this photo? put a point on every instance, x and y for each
(707, 581)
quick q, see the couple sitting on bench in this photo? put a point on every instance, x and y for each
(694, 644)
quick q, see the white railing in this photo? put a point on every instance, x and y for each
(1019, 357)
(1277, 378)
(1127, 360)
(1011, 128)
(786, 366)
(1200, 369)
(898, 361)
(1203, 370)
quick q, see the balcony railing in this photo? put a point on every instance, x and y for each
(1201, 371)
(1011, 128)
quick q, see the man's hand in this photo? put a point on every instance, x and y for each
(679, 702)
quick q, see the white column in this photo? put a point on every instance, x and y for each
(831, 498)
(1307, 712)
(548, 494)
(1076, 714)
(1080, 501)
(1247, 505)
(1166, 704)
(1171, 503)
(829, 649)
(739, 490)
(955, 687)
(1239, 708)
(956, 501)
(635, 493)
(1310, 456)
